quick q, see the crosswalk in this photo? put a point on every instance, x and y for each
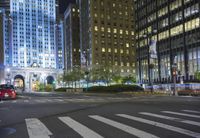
(36, 128)
(63, 100)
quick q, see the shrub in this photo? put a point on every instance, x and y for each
(48, 88)
(189, 92)
(62, 89)
(115, 88)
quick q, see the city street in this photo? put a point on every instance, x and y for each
(47, 115)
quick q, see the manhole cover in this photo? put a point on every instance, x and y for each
(6, 131)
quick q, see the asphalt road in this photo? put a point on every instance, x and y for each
(96, 116)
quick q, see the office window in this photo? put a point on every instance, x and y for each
(163, 11)
(192, 24)
(176, 30)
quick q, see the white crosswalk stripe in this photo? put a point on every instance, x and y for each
(79, 128)
(126, 128)
(191, 111)
(36, 129)
(182, 114)
(171, 118)
(161, 125)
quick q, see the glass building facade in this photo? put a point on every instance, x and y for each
(174, 25)
(72, 37)
(60, 45)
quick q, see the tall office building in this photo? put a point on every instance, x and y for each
(2, 16)
(60, 44)
(171, 29)
(5, 4)
(33, 45)
(72, 39)
(107, 34)
(5, 41)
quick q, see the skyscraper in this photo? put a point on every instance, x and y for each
(33, 45)
(60, 44)
(5, 42)
(5, 4)
(173, 27)
(72, 39)
(107, 34)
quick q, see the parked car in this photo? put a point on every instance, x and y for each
(7, 92)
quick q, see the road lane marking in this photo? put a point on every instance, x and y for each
(171, 118)
(79, 128)
(126, 128)
(36, 129)
(14, 101)
(161, 125)
(182, 114)
(26, 101)
(191, 111)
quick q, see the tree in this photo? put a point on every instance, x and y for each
(73, 76)
(197, 75)
(128, 79)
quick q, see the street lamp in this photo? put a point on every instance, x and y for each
(8, 75)
(174, 70)
(85, 53)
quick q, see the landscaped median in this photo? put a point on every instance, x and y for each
(112, 89)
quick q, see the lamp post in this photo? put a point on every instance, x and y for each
(174, 70)
(85, 53)
(8, 76)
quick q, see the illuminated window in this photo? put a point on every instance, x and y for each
(115, 31)
(73, 10)
(191, 10)
(163, 11)
(163, 35)
(109, 30)
(122, 64)
(116, 63)
(176, 30)
(127, 44)
(115, 50)
(121, 51)
(96, 28)
(103, 50)
(175, 4)
(121, 31)
(192, 24)
(127, 64)
(109, 50)
(102, 29)
(127, 32)
(132, 33)
(95, 15)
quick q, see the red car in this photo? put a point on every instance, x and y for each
(7, 92)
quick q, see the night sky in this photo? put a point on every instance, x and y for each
(64, 3)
